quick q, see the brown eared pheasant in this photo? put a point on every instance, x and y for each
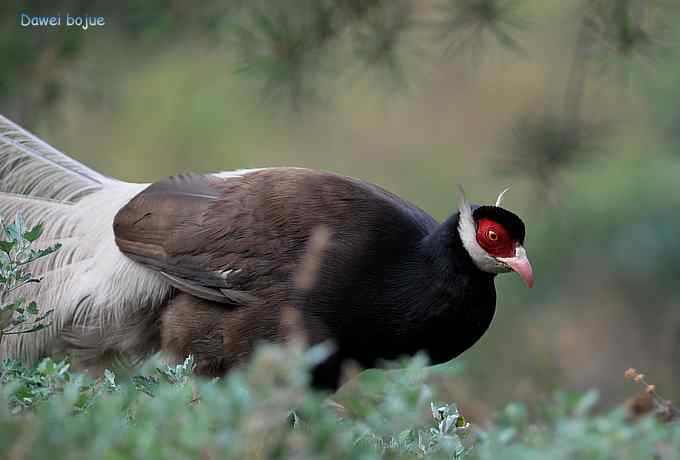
(205, 264)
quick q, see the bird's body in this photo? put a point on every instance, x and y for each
(205, 265)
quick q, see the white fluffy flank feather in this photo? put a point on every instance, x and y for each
(88, 283)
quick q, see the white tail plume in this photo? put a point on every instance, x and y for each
(29, 166)
(88, 282)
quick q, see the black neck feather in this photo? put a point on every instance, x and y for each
(436, 292)
(444, 248)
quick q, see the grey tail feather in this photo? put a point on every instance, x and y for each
(29, 166)
(132, 341)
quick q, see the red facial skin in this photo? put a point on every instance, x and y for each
(494, 239)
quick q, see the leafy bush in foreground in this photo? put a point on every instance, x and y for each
(265, 410)
(19, 316)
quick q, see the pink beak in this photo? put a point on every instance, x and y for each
(520, 264)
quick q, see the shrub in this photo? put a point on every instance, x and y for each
(16, 252)
(266, 410)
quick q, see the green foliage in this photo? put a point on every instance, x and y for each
(544, 144)
(266, 410)
(628, 29)
(466, 21)
(288, 44)
(19, 316)
(566, 428)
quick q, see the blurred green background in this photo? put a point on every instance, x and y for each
(574, 104)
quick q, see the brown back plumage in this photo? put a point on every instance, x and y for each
(239, 241)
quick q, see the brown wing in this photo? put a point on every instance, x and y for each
(161, 228)
(238, 240)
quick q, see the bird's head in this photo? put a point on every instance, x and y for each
(494, 238)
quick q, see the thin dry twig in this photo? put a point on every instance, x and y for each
(650, 399)
(307, 274)
(305, 278)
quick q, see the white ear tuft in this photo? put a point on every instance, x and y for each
(499, 200)
(466, 225)
(463, 207)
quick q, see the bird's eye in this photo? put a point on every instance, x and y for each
(493, 236)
